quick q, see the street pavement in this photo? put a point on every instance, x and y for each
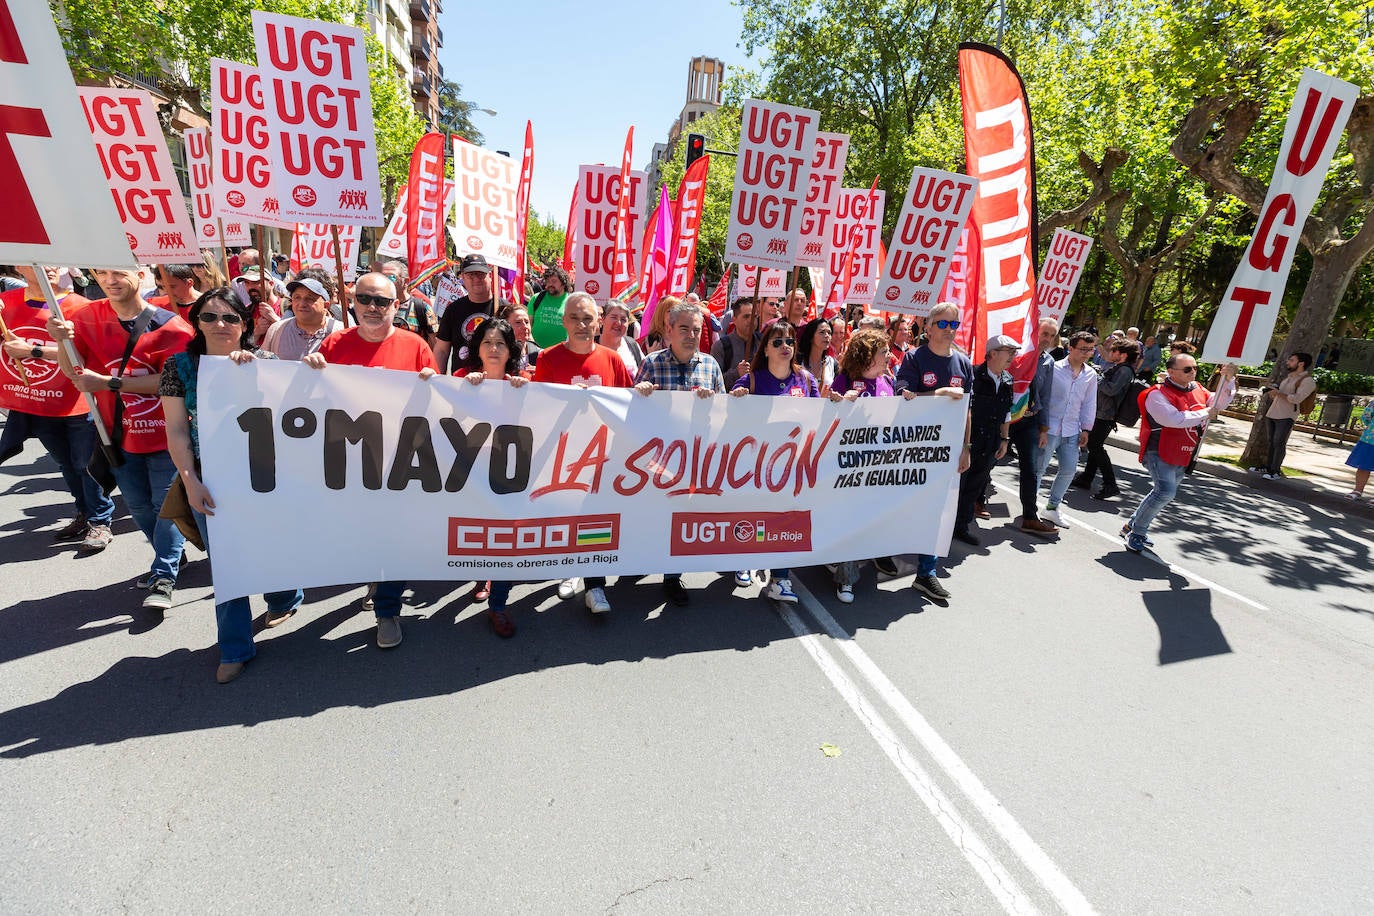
(1080, 730)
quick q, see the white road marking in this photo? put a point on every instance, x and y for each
(998, 880)
(1026, 849)
(1172, 567)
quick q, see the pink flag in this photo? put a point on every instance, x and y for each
(657, 272)
(570, 237)
(522, 211)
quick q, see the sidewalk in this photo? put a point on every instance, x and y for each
(1326, 477)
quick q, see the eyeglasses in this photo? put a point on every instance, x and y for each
(228, 318)
(783, 342)
(945, 324)
(380, 303)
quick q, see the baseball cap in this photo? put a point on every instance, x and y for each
(313, 285)
(1001, 342)
(474, 263)
(250, 273)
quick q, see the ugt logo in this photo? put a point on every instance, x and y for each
(353, 200)
(777, 246)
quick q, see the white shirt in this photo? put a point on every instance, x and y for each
(1073, 400)
(1161, 409)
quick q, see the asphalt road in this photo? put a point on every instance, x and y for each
(1080, 730)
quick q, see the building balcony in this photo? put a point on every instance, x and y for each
(421, 10)
(438, 37)
(421, 51)
(423, 87)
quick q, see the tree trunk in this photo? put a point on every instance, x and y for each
(1136, 281)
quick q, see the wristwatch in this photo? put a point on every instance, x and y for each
(36, 352)
(115, 383)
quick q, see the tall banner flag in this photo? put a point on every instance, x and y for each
(393, 243)
(623, 269)
(720, 297)
(570, 236)
(657, 257)
(199, 165)
(691, 199)
(244, 189)
(139, 170)
(522, 211)
(856, 238)
(324, 153)
(58, 208)
(484, 206)
(599, 197)
(312, 245)
(772, 175)
(822, 193)
(425, 204)
(1000, 152)
(1245, 318)
(1060, 273)
(934, 210)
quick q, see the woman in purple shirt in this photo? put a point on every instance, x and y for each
(774, 370)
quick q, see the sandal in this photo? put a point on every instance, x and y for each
(501, 624)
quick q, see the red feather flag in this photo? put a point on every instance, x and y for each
(425, 205)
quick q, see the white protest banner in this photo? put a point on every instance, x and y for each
(458, 481)
(766, 281)
(450, 289)
(244, 189)
(58, 208)
(484, 214)
(324, 154)
(852, 210)
(199, 165)
(598, 193)
(1245, 319)
(393, 243)
(934, 210)
(772, 176)
(128, 138)
(827, 176)
(1060, 273)
(312, 245)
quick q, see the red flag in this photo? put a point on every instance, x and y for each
(623, 275)
(522, 212)
(425, 204)
(1000, 152)
(570, 237)
(834, 304)
(701, 288)
(691, 200)
(720, 299)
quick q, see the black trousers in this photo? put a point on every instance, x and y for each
(982, 456)
(1025, 435)
(1279, 431)
(1098, 459)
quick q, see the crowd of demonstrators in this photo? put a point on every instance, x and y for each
(1112, 388)
(1283, 411)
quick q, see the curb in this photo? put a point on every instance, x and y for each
(1299, 490)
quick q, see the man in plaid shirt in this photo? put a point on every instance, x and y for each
(681, 366)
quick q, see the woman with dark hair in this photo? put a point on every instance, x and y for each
(814, 347)
(774, 370)
(223, 327)
(494, 356)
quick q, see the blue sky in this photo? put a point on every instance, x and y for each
(563, 74)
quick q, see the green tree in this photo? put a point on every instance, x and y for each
(544, 239)
(721, 129)
(455, 113)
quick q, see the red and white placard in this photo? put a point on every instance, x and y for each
(57, 201)
(827, 177)
(324, 153)
(934, 210)
(312, 245)
(484, 203)
(128, 138)
(1060, 273)
(852, 210)
(1245, 319)
(425, 211)
(768, 282)
(772, 177)
(598, 191)
(199, 165)
(244, 189)
(393, 243)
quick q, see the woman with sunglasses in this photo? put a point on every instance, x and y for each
(223, 327)
(813, 343)
(774, 370)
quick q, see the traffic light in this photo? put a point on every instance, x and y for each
(696, 148)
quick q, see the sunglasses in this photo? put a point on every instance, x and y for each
(945, 324)
(783, 342)
(381, 303)
(1187, 370)
(229, 318)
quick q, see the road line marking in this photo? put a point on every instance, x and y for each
(998, 880)
(1153, 558)
(1026, 849)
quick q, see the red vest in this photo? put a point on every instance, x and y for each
(1175, 446)
(46, 392)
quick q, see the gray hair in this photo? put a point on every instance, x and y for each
(580, 298)
(680, 309)
(941, 308)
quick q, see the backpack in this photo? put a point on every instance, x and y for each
(1308, 404)
(1128, 411)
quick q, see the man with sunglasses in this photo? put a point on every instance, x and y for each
(377, 342)
(936, 368)
(1173, 416)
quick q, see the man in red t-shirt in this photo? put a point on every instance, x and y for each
(178, 282)
(583, 362)
(43, 403)
(101, 333)
(378, 343)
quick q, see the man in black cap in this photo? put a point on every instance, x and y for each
(463, 315)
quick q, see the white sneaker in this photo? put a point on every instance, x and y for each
(1354, 496)
(569, 587)
(596, 601)
(781, 590)
(845, 593)
(1052, 515)
(744, 578)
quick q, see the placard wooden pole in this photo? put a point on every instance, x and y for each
(495, 292)
(101, 429)
(7, 334)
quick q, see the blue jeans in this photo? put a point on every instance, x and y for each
(1165, 478)
(1065, 449)
(71, 441)
(234, 618)
(144, 480)
(500, 593)
(784, 573)
(386, 600)
(926, 564)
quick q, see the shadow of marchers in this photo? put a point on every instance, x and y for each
(1187, 629)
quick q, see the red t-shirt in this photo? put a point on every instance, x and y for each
(101, 339)
(602, 366)
(48, 392)
(165, 302)
(406, 352)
